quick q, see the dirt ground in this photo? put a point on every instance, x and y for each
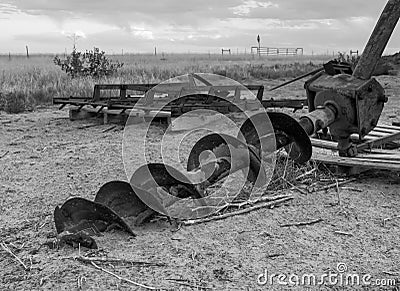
(46, 159)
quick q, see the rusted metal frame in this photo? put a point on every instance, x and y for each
(260, 93)
(288, 103)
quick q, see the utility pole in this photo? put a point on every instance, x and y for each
(74, 37)
(259, 45)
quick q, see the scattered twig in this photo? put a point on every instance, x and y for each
(5, 248)
(110, 128)
(3, 155)
(336, 184)
(254, 201)
(305, 174)
(242, 211)
(352, 189)
(388, 219)
(123, 279)
(342, 232)
(391, 273)
(239, 205)
(338, 192)
(274, 255)
(113, 260)
(302, 223)
(294, 187)
(87, 126)
(182, 282)
(286, 163)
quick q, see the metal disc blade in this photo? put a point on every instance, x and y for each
(286, 129)
(78, 214)
(153, 175)
(213, 143)
(121, 198)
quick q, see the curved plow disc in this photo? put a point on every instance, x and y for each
(227, 150)
(155, 175)
(121, 198)
(153, 181)
(287, 131)
(79, 214)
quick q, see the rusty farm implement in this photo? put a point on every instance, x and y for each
(344, 107)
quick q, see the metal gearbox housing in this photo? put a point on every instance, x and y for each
(358, 103)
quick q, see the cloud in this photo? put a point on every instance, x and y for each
(178, 25)
(312, 9)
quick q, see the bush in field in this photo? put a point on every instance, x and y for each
(383, 67)
(345, 58)
(15, 102)
(90, 63)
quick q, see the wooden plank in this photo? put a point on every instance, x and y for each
(377, 133)
(358, 162)
(384, 130)
(389, 127)
(326, 144)
(387, 157)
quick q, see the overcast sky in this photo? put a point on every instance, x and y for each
(192, 25)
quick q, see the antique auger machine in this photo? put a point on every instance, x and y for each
(343, 103)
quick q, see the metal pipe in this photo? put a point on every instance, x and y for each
(297, 78)
(318, 119)
(378, 40)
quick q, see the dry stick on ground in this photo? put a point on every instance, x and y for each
(5, 248)
(352, 189)
(108, 129)
(389, 218)
(230, 214)
(343, 232)
(245, 203)
(294, 187)
(124, 279)
(251, 202)
(336, 184)
(338, 192)
(87, 126)
(302, 223)
(180, 282)
(391, 273)
(305, 174)
(3, 155)
(114, 260)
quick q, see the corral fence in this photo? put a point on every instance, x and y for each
(270, 51)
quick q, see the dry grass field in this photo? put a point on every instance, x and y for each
(46, 159)
(39, 79)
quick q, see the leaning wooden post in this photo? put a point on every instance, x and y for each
(378, 40)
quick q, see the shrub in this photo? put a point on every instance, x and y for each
(345, 58)
(90, 63)
(15, 102)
